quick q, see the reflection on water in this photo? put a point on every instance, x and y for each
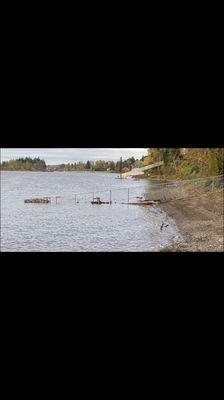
(67, 226)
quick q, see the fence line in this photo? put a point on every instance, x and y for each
(163, 191)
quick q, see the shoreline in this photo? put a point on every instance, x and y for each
(200, 222)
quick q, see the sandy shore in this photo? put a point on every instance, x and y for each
(200, 221)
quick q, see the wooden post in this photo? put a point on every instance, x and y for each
(110, 197)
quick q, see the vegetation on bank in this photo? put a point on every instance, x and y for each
(186, 162)
(24, 164)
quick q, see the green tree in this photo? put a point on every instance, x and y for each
(88, 165)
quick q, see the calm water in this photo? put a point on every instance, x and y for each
(67, 226)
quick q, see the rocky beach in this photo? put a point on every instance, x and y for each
(200, 221)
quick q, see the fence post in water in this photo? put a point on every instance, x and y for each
(110, 197)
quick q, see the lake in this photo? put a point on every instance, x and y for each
(73, 224)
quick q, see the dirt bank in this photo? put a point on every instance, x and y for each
(200, 221)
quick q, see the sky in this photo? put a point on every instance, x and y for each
(60, 156)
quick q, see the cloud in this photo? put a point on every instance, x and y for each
(60, 155)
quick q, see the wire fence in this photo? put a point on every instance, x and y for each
(110, 196)
(163, 192)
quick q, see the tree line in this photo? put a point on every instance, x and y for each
(99, 165)
(178, 162)
(24, 164)
(29, 164)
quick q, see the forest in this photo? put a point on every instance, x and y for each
(186, 162)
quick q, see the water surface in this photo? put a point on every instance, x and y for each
(74, 227)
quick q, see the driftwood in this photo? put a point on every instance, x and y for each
(100, 202)
(37, 201)
(144, 203)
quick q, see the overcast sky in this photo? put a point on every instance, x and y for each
(59, 156)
